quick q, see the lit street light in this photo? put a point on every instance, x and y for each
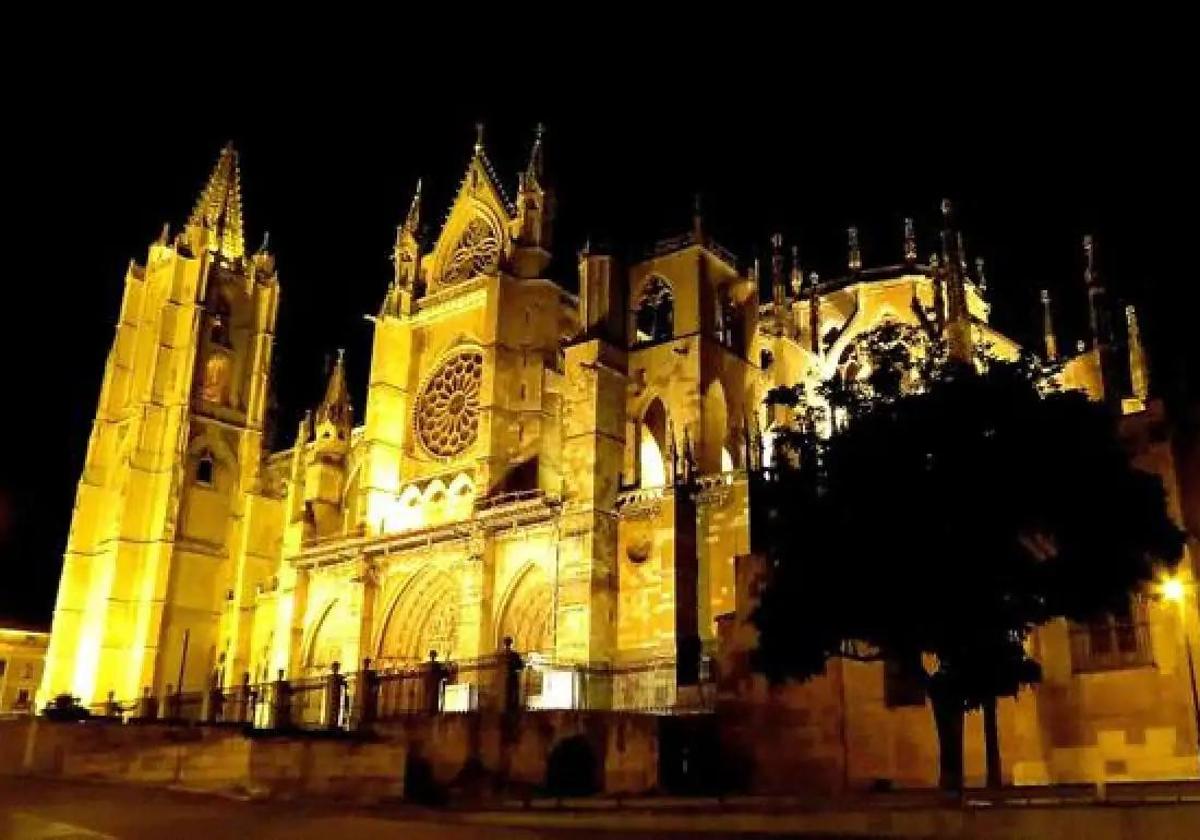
(1173, 589)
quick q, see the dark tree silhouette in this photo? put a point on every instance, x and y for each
(936, 513)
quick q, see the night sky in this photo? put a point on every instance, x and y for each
(1032, 161)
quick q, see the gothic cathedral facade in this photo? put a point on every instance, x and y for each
(518, 467)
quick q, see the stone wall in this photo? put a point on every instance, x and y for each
(469, 753)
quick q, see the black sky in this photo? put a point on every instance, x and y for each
(1034, 155)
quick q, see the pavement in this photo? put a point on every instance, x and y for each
(41, 809)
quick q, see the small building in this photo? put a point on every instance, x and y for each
(22, 657)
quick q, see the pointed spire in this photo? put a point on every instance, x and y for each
(958, 321)
(1048, 336)
(814, 314)
(534, 171)
(164, 236)
(335, 408)
(778, 287)
(218, 210)
(981, 276)
(855, 261)
(1139, 381)
(412, 222)
(478, 139)
(697, 220)
(910, 241)
(1098, 312)
(797, 273)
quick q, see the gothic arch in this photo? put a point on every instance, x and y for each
(715, 430)
(322, 647)
(423, 617)
(528, 612)
(653, 448)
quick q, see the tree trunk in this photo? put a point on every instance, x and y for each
(948, 717)
(991, 741)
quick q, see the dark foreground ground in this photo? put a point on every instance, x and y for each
(35, 809)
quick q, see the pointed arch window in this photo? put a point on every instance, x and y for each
(654, 318)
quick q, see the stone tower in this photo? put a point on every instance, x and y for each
(150, 580)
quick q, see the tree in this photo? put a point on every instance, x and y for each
(941, 512)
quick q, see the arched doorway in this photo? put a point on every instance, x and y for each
(423, 617)
(528, 614)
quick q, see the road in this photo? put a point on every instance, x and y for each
(55, 810)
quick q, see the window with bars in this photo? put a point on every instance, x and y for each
(1112, 643)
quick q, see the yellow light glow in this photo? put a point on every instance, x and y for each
(654, 472)
(1172, 589)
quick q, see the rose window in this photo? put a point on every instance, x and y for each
(447, 412)
(477, 252)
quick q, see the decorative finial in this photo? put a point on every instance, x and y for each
(855, 251)
(266, 240)
(910, 241)
(962, 251)
(979, 272)
(797, 272)
(947, 211)
(697, 220)
(478, 139)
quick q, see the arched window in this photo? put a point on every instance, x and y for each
(206, 469)
(655, 317)
(652, 454)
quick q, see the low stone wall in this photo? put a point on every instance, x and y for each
(467, 753)
(204, 758)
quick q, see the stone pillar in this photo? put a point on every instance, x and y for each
(593, 454)
(365, 702)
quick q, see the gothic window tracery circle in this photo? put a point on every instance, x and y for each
(447, 412)
(477, 252)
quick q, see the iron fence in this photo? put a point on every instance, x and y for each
(504, 682)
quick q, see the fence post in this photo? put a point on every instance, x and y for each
(364, 696)
(170, 703)
(334, 685)
(241, 701)
(281, 717)
(147, 706)
(214, 701)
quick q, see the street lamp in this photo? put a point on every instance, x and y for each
(1173, 589)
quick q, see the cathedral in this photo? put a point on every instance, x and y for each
(565, 470)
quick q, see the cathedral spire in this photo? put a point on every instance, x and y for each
(335, 407)
(412, 222)
(981, 276)
(910, 242)
(1139, 380)
(797, 273)
(535, 169)
(218, 210)
(1048, 336)
(855, 257)
(958, 321)
(778, 286)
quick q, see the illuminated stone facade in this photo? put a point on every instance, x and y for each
(565, 469)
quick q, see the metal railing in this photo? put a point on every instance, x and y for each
(504, 682)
